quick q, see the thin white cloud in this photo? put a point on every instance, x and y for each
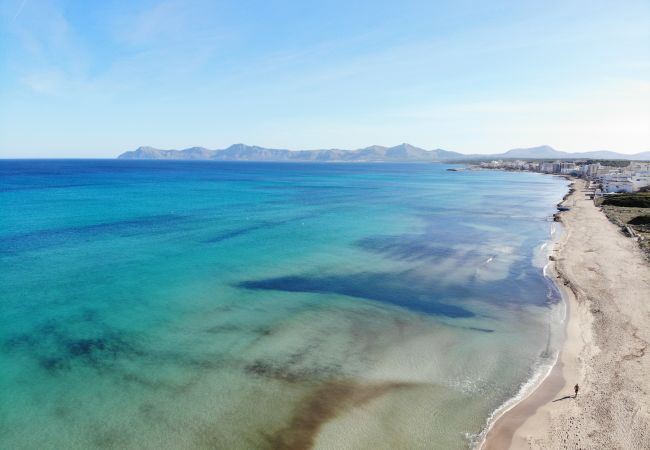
(20, 9)
(49, 82)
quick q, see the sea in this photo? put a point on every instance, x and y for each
(243, 305)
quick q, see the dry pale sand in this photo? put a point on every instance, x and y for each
(606, 282)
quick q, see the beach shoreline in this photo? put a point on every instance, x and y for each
(505, 420)
(603, 279)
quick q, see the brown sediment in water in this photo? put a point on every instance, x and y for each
(326, 403)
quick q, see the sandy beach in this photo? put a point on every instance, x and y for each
(605, 280)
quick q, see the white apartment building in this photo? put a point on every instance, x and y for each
(590, 170)
(640, 181)
(617, 183)
(546, 167)
(568, 168)
(627, 179)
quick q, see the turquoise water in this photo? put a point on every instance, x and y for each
(151, 304)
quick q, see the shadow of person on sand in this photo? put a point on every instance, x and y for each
(563, 398)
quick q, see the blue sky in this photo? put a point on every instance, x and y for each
(86, 78)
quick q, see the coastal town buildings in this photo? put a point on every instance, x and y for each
(607, 179)
(546, 167)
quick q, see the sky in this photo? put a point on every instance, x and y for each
(94, 79)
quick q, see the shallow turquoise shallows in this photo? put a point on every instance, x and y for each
(155, 304)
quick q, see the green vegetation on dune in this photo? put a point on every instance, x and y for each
(634, 200)
(631, 213)
(609, 162)
(640, 220)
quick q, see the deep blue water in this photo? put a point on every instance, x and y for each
(157, 304)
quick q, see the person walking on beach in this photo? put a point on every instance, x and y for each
(576, 388)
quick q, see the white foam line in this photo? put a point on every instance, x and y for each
(528, 387)
(524, 392)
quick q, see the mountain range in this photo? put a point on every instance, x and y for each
(376, 153)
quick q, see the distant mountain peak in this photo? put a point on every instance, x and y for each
(239, 145)
(407, 146)
(542, 151)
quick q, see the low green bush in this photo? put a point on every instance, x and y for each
(635, 200)
(640, 220)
